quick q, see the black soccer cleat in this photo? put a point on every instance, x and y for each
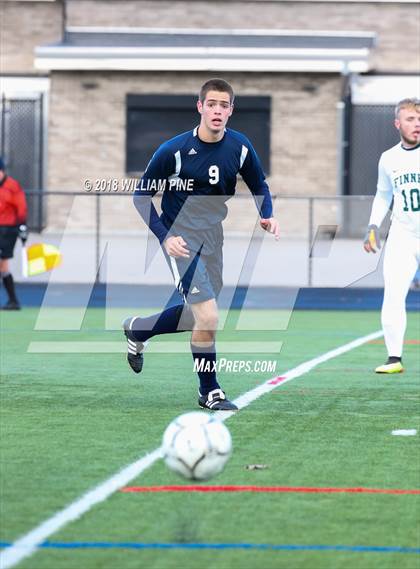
(216, 401)
(135, 348)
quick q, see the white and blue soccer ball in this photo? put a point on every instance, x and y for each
(196, 445)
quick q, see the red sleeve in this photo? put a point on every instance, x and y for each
(20, 203)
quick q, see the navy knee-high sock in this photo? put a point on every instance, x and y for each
(174, 319)
(204, 363)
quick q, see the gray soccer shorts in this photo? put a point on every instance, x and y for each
(198, 278)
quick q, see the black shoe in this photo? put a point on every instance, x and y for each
(135, 348)
(216, 401)
(11, 306)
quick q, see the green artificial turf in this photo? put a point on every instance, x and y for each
(71, 420)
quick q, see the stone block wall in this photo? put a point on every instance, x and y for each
(23, 27)
(87, 131)
(397, 24)
(87, 112)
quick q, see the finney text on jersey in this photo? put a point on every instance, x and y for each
(410, 178)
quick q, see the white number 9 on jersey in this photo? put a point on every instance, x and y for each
(214, 174)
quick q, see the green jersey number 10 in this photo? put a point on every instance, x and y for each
(412, 201)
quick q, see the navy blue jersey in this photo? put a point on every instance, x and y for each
(197, 178)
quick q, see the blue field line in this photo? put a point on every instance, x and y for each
(255, 546)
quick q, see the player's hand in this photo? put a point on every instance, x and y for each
(176, 247)
(372, 243)
(23, 233)
(272, 226)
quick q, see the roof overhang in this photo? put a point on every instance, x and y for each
(138, 49)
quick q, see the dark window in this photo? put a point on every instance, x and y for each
(372, 132)
(153, 119)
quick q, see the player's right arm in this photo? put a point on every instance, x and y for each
(381, 204)
(155, 177)
(175, 246)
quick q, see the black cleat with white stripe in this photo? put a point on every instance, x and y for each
(216, 401)
(135, 348)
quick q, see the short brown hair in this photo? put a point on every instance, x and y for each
(216, 85)
(408, 103)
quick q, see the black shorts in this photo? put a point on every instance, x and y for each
(8, 237)
(200, 277)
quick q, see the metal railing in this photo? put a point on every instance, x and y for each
(327, 218)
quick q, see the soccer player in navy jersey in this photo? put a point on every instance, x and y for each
(197, 171)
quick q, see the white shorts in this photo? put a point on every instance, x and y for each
(402, 258)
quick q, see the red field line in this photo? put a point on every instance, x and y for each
(304, 489)
(277, 380)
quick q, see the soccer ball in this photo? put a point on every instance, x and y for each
(196, 445)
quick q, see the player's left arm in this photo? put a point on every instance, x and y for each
(158, 170)
(272, 226)
(253, 175)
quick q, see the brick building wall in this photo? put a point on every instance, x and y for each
(87, 128)
(86, 135)
(397, 24)
(23, 26)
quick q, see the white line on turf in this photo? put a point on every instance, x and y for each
(247, 398)
(29, 543)
(404, 432)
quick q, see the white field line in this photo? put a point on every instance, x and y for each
(29, 543)
(247, 398)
